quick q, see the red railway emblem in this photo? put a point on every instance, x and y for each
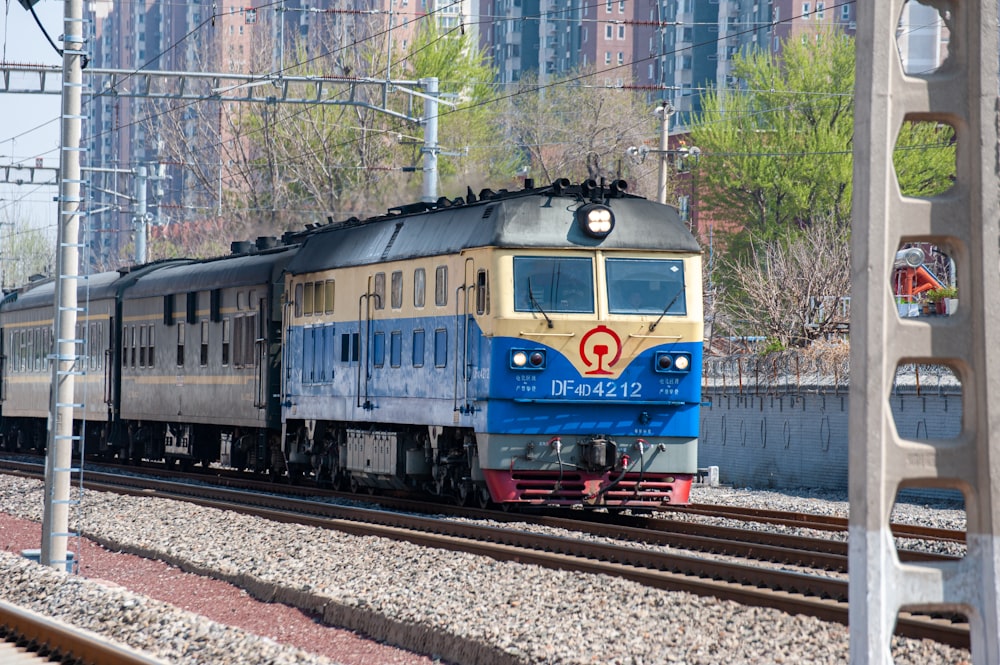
(606, 342)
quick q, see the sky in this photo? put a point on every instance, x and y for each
(29, 123)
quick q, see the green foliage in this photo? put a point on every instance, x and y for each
(777, 152)
(924, 158)
(773, 345)
(937, 295)
(471, 128)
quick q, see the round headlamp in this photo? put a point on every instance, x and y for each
(596, 220)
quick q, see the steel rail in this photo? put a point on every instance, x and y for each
(811, 521)
(47, 637)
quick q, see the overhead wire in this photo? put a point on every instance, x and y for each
(495, 99)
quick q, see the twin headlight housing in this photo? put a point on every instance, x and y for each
(527, 359)
(668, 361)
(595, 220)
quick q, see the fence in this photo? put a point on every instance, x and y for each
(823, 368)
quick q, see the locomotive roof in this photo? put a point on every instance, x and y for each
(220, 272)
(531, 218)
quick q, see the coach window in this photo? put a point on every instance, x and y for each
(309, 299)
(482, 293)
(142, 346)
(319, 294)
(419, 287)
(345, 347)
(378, 349)
(204, 343)
(134, 349)
(168, 310)
(308, 355)
(152, 346)
(330, 291)
(298, 299)
(396, 348)
(440, 347)
(92, 346)
(241, 301)
(441, 286)
(397, 289)
(380, 290)
(226, 332)
(180, 345)
(418, 348)
(30, 351)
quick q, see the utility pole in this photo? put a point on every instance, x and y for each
(140, 219)
(664, 111)
(431, 147)
(59, 457)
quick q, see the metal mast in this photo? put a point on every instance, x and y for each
(55, 519)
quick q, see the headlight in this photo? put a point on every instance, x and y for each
(672, 362)
(595, 220)
(527, 359)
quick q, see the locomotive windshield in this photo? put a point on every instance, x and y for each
(553, 284)
(646, 286)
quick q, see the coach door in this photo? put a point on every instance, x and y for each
(109, 363)
(262, 385)
(371, 338)
(467, 299)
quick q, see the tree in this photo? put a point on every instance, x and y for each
(775, 174)
(26, 249)
(792, 289)
(776, 152)
(473, 127)
(574, 129)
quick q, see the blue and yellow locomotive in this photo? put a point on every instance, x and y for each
(536, 347)
(541, 346)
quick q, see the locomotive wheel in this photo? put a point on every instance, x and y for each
(352, 484)
(463, 494)
(484, 498)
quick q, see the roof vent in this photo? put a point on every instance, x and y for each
(241, 247)
(266, 242)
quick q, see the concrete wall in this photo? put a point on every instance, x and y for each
(793, 441)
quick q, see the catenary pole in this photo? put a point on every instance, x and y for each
(664, 111)
(431, 147)
(55, 518)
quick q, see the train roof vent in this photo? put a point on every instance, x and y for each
(488, 211)
(241, 247)
(266, 242)
(37, 277)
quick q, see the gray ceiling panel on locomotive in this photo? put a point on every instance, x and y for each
(506, 219)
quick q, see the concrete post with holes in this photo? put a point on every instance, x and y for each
(965, 223)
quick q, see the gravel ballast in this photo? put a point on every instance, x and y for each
(458, 607)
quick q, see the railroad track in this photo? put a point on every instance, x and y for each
(812, 521)
(754, 544)
(27, 637)
(824, 597)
